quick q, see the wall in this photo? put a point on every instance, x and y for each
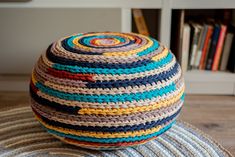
(25, 33)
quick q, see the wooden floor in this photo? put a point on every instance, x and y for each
(215, 115)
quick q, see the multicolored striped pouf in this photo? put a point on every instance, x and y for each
(107, 90)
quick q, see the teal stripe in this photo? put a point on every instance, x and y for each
(151, 49)
(70, 40)
(151, 66)
(87, 40)
(182, 97)
(111, 140)
(106, 98)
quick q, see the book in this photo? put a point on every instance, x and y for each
(140, 22)
(207, 54)
(185, 47)
(200, 45)
(231, 60)
(197, 29)
(226, 51)
(206, 47)
(176, 32)
(212, 49)
(219, 47)
(192, 32)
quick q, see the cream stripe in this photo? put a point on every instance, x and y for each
(121, 90)
(108, 77)
(112, 123)
(126, 104)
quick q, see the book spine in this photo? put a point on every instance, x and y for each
(212, 47)
(181, 33)
(140, 22)
(231, 60)
(226, 50)
(219, 48)
(205, 48)
(194, 46)
(185, 47)
(200, 45)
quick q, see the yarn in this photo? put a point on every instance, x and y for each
(106, 90)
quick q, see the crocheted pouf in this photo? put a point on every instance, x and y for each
(107, 90)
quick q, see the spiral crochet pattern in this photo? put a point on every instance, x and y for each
(107, 90)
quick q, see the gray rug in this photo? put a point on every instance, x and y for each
(21, 136)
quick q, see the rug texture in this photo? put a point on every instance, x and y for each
(21, 135)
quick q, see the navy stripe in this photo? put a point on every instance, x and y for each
(147, 125)
(54, 105)
(134, 82)
(57, 59)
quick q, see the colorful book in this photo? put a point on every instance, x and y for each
(197, 29)
(219, 48)
(140, 22)
(185, 47)
(206, 47)
(226, 51)
(212, 49)
(200, 45)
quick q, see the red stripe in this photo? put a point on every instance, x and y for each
(35, 90)
(65, 74)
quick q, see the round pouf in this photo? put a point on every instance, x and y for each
(107, 90)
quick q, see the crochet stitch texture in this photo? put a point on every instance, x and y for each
(107, 90)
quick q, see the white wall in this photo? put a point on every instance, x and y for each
(25, 33)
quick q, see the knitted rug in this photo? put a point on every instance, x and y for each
(21, 135)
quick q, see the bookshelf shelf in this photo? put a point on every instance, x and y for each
(200, 82)
(204, 82)
(204, 75)
(202, 4)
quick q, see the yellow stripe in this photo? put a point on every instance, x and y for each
(100, 134)
(131, 52)
(131, 110)
(33, 78)
(161, 55)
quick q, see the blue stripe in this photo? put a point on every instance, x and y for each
(74, 50)
(111, 129)
(57, 59)
(112, 140)
(54, 105)
(107, 98)
(68, 45)
(148, 67)
(150, 49)
(182, 97)
(148, 80)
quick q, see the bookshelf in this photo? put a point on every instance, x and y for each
(197, 81)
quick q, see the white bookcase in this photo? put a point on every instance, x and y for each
(198, 82)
